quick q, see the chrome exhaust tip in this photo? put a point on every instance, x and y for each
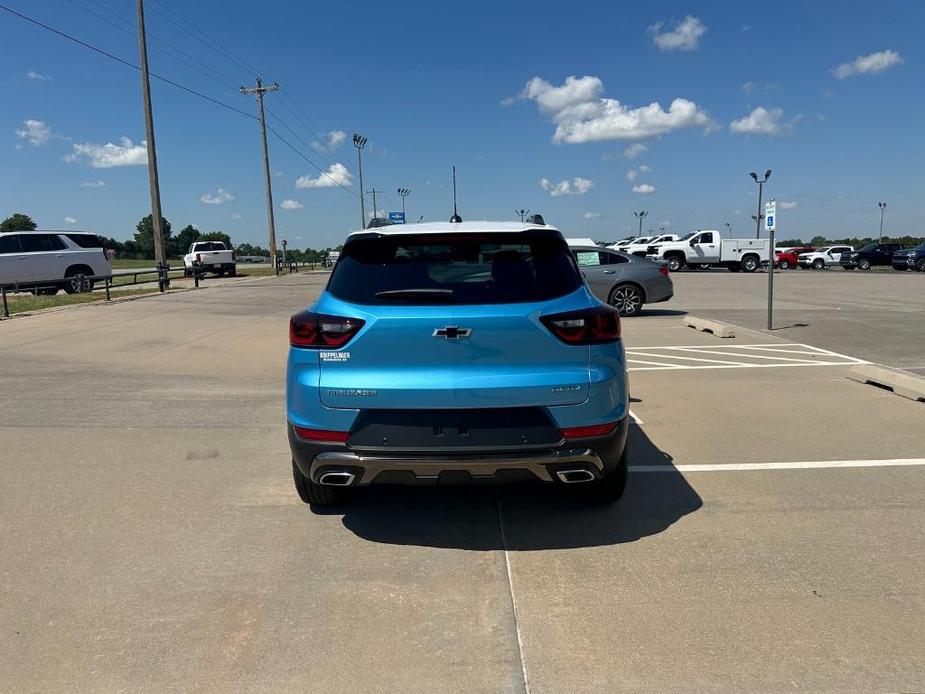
(574, 476)
(336, 479)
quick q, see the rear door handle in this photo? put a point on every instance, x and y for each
(608, 272)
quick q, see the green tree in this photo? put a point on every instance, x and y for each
(788, 242)
(182, 241)
(18, 222)
(217, 236)
(144, 235)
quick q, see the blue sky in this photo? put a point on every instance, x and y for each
(825, 97)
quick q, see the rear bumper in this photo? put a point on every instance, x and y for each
(597, 455)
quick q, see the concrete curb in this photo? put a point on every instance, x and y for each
(903, 383)
(709, 326)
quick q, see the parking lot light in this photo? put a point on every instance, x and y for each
(640, 216)
(882, 206)
(758, 217)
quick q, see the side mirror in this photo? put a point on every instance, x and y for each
(692, 243)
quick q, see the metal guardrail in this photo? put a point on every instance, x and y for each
(88, 281)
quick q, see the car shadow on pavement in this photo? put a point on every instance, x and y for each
(533, 517)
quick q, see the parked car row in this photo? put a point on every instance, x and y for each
(846, 257)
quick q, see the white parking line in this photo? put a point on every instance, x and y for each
(810, 465)
(751, 356)
(635, 417)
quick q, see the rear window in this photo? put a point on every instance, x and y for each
(86, 240)
(497, 268)
(210, 246)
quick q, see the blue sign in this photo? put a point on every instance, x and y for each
(397, 217)
(770, 219)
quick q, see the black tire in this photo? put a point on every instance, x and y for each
(609, 489)
(627, 299)
(317, 494)
(734, 267)
(920, 265)
(75, 280)
(750, 263)
(674, 262)
(818, 264)
(784, 265)
(863, 264)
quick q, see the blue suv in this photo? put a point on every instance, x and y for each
(456, 352)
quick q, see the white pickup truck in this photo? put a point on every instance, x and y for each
(705, 247)
(210, 256)
(642, 247)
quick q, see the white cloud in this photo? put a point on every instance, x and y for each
(749, 87)
(683, 36)
(70, 220)
(634, 150)
(577, 186)
(36, 132)
(643, 189)
(291, 205)
(592, 215)
(236, 215)
(336, 138)
(110, 155)
(581, 114)
(631, 175)
(869, 64)
(761, 121)
(93, 184)
(645, 168)
(336, 175)
(784, 205)
(220, 198)
(33, 75)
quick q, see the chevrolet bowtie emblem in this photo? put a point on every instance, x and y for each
(452, 332)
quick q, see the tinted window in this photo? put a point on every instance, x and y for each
(209, 246)
(9, 244)
(870, 247)
(611, 258)
(86, 240)
(32, 243)
(455, 268)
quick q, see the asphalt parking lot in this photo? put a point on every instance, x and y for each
(771, 537)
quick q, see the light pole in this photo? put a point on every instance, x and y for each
(522, 213)
(728, 229)
(404, 192)
(758, 217)
(882, 206)
(640, 216)
(360, 142)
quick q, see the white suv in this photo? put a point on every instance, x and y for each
(822, 257)
(46, 261)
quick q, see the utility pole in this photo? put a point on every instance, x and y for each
(375, 206)
(759, 216)
(882, 206)
(360, 142)
(259, 91)
(156, 216)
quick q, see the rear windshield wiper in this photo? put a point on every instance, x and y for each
(421, 293)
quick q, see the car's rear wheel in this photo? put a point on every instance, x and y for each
(863, 264)
(75, 280)
(317, 494)
(627, 299)
(920, 266)
(818, 264)
(750, 263)
(608, 489)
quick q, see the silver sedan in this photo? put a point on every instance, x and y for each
(624, 281)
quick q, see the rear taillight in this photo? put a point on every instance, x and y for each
(585, 432)
(199, 257)
(319, 331)
(663, 269)
(322, 435)
(590, 326)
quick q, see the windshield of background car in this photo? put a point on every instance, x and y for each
(458, 268)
